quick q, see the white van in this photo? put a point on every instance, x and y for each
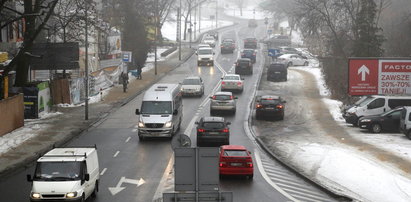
(66, 174)
(161, 111)
(205, 56)
(373, 105)
(405, 122)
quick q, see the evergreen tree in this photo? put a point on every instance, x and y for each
(369, 39)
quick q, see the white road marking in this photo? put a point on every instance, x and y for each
(128, 139)
(116, 154)
(159, 191)
(268, 180)
(103, 171)
(119, 188)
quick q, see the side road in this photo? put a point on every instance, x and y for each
(57, 130)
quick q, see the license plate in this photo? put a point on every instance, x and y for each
(277, 72)
(236, 164)
(269, 108)
(213, 133)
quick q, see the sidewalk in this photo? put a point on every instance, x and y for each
(59, 129)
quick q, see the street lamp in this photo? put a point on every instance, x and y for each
(86, 58)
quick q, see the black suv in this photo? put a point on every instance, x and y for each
(213, 130)
(250, 43)
(277, 72)
(269, 106)
(244, 66)
(388, 121)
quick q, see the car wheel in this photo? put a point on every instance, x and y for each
(376, 128)
(257, 116)
(83, 198)
(356, 122)
(141, 138)
(305, 63)
(282, 117)
(409, 134)
(250, 177)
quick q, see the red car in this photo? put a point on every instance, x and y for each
(236, 160)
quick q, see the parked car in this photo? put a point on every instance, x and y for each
(374, 105)
(278, 40)
(223, 101)
(292, 60)
(405, 121)
(277, 72)
(235, 160)
(289, 50)
(227, 47)
(244, 66)
(209, 40)
(269, 106)
(250, 43)
(212, 130)
(388, 121)
(192, 86)
(205, 56)
(232, 82)
(249, 53)
(252, 23)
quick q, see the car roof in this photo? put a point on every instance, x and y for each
(248, 49)
(223, 93)
(193, 77)
(205, 48)
(233, 147)
(213, 119)
(244, 59)
(266, 97)
(231, 75)
(204, 45)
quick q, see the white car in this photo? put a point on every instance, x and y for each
(209, 40)
(205, 56)
(232, 82)
(192, 86)
(292, 60)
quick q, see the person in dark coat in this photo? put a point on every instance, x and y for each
(124, 77)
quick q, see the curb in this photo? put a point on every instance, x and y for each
(261, 143)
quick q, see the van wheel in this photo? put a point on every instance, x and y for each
(250, 177)
(409, 134)
(94, 194)
(376, 128)
(83, 198)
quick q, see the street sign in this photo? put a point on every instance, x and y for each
(126, 55)
(269, 31)
(370, 76)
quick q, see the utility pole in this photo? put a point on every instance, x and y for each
(199, 17)
(195, 20)
(190, 30)
(216, 13)
(179, 33)
(155, 37)
(86, 58)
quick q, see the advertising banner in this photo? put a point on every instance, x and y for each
(373, 76)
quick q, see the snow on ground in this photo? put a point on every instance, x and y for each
(249, 11)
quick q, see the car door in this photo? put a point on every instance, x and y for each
(375, 107)
(392, 121)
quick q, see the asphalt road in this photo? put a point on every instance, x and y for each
(121, 155)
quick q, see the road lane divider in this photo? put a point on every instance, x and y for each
(116, 154)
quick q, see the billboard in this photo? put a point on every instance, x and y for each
(371, 76)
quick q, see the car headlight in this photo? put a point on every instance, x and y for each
(71, 194)
(366, 120)
(168, 124)
(35, 195)
(141, 124)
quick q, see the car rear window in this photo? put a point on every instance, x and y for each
(231, 78)
(248, 51)
(235, 153)
(213, 125)
(222, 97)
(264, 101)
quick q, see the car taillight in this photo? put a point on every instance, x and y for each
(225, 130)
(231, 97)
(223, 164)
(242, 54)
(259, 106)
(254, 54)
(239, 83)
(223, 82)
(214, 97)
(249, 164)
(279, 106)
(200, 130)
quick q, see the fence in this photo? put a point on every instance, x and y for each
(12, 114)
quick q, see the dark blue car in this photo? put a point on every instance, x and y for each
(249, 53)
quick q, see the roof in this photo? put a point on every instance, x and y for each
(223, 93)
(160, 92)
(67, 154)
(244, 59)
(233, 147)
(205, 48)
(275, 97)
(213, 119)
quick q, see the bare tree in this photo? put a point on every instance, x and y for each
(240, 4)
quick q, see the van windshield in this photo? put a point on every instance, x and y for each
(205, 51)
(58, 171)
(366, 101)
(156, 107)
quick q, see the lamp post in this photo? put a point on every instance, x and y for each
(216, 13)
(155, 37)
(86, 58)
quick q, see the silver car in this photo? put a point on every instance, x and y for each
(192, 86)
(222, 101)
(232, 82)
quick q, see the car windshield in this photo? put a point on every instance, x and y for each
(248, 51)
(191, 82)
(156, 107)
(232, 78)
(58, 171)
(205, 51)
(392, 113)
(235, 153)
(242, 62)
(213, 125)
(269, 101)
(361, 100)
(222, 97)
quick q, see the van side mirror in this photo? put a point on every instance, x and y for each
(29, 178)
(87, 177)
(175, 112)
(137, 112)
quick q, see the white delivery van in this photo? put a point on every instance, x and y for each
(373, 105)
(66, 174)
(205, 56)
(405, 122)
(161, 111)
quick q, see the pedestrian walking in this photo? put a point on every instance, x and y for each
(124, 77)
(139, 72)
